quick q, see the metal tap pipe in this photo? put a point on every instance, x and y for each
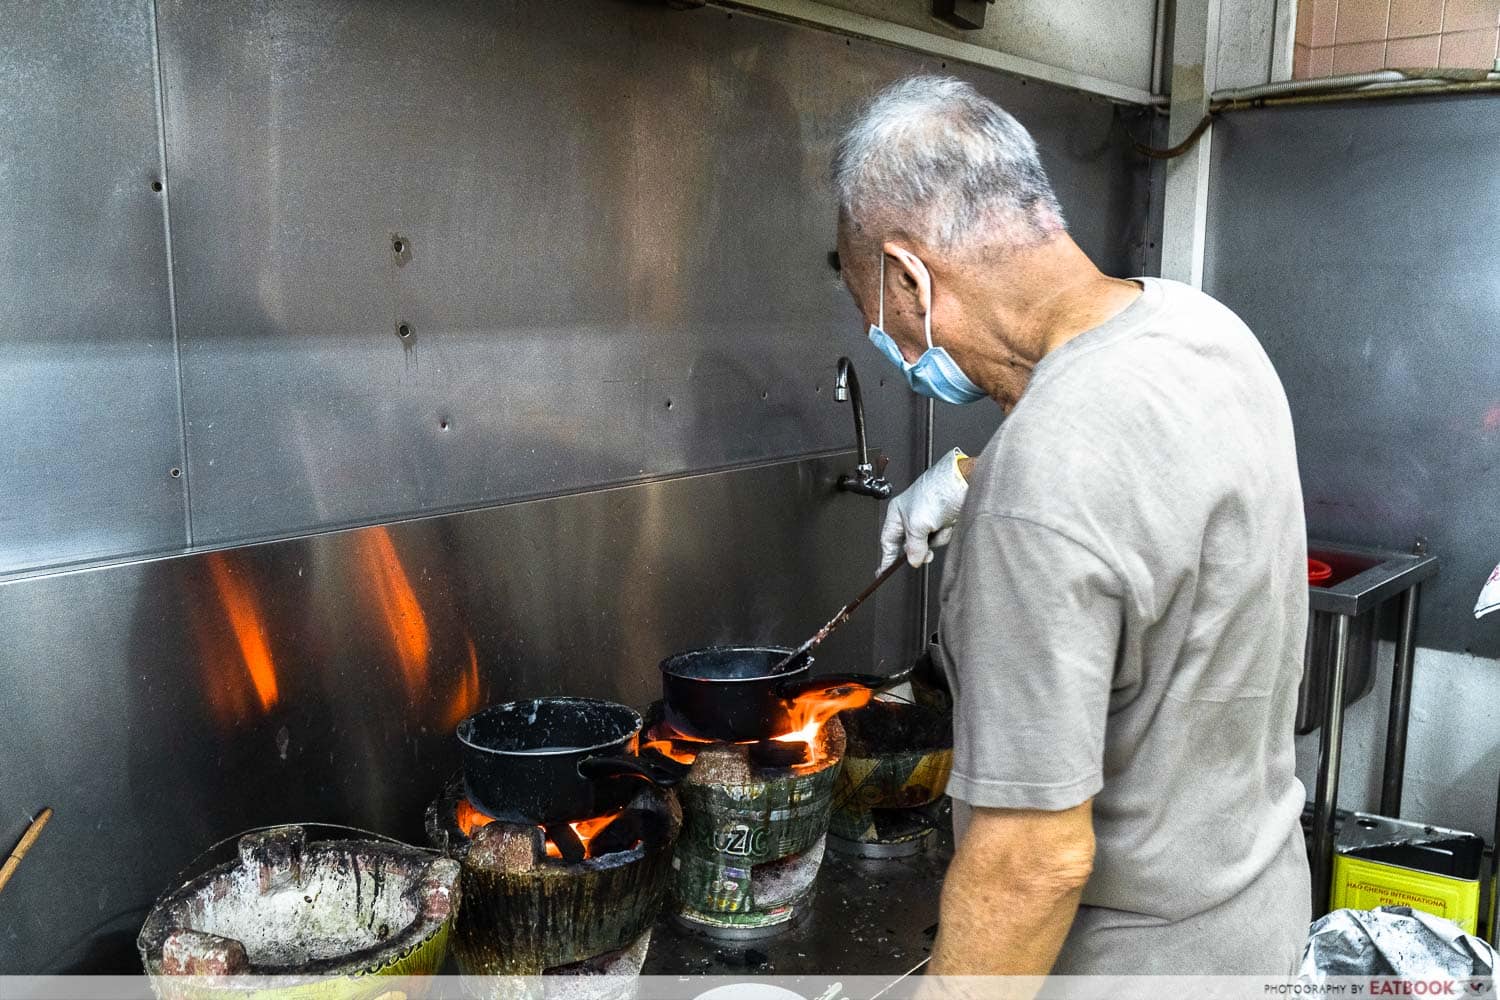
(864, 480)
(846, 388)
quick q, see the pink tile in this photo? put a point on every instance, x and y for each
(1324, 19)
(1320, 63)
(1467, 15)
(1362, 21)
(1469, 49)
(1412, 53)
(1361, 57)
(1410, 18)
(1303, 34)
(1301, 62)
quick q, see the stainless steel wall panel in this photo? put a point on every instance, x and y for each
(1359, 241)
(88, 387)
(580, 252)
(161, 706)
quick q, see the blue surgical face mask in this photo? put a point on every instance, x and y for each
(935, 373)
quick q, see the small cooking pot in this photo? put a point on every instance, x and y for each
(549, 760)
(738, 694)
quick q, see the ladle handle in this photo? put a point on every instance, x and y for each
(839, 618)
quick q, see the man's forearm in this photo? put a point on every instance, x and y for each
(988, 929)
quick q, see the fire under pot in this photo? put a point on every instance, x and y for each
(530, 911)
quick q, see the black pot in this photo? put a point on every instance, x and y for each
(550, 760)
(736, 694)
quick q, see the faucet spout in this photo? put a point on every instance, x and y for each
(864, 480)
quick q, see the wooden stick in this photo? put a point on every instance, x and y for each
(27, 839)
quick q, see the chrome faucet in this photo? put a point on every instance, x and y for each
(864, 479)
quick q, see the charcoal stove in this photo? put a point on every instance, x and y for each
(328, 913)
(539, 908)
(889, 791)
(755, 823)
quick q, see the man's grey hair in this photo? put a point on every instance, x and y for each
(934, 158)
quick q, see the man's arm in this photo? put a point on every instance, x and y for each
(1012, 891)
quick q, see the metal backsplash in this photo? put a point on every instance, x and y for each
(89, 429)
(614, 223)
(1359, 242)
(161, 706)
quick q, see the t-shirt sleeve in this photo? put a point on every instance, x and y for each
(1031, 630)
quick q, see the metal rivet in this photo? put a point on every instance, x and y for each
(176, 473)
(443, 424)
(156, 185)
(669, 404)
(403, 330)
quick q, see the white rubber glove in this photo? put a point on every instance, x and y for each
(922, 518)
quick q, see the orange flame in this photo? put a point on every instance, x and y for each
(666, 741)
(245, 620)
(470, 819)
(808, 713)
(465, 698)
(812, 710)
(394, 598)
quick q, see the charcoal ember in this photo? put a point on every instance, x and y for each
(775, 753)
(633, 827)
(621, 835)
(197, 953)
(567, 842)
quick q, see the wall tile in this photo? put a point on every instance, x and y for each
(1362, 21)
(1467, 15)
(1412, 53)
(1320, 64)
(1468, 49)
(1302, 61)
(1361, 57)
(1410, 18)
(1324, 20)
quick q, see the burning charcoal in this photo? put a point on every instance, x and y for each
(196, 953)
(567, 842)
(773, 753)
(621, 835)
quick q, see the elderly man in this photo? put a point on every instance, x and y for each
(1124, 603)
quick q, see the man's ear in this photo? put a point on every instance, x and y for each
(912, 274)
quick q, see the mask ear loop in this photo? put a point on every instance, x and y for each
(927, 316)
(880, 319)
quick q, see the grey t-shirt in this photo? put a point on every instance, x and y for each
(1124, 614)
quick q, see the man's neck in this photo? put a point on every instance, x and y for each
(1049, 295)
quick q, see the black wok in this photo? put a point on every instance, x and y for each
(550, 760)
(745, 693)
